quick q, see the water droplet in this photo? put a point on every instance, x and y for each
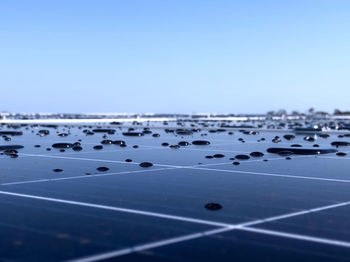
(165, 144)
(218, 155)
(116, 123)
(309, 138)
(145, 164)
(301, 151)
(341, 154)
(132, 134)
(119, 142)
(106, 142)
(77, 148)
(256, 154)
(57, 170)
(213, 206)
(102, 168)
(10, 147)
(128, 160)
(200, 142)
(63, 134)
(306, 129)
(289, 137)
(183, 132)
(242, 157)
(62, 145)
(340, 143)
(323, 135)
(104, 130)
(43, 132)
(285, 153)
(10, 151)
(236, 163)
(11, 133)
(98, 147)
(276, 140)
(209, 157)
(183, 143)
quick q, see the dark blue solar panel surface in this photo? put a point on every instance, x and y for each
(273, 209)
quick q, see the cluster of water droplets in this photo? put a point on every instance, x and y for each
(188, 134)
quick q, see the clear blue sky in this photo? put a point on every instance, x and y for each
(174, 56)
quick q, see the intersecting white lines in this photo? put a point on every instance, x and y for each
(241, 226)
(169, 241)
(120, 209)
(179, 218)
(138, 171)
(156, 164)
(97, 160)
(224, 226)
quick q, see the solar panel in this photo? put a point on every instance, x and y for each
(183, 190)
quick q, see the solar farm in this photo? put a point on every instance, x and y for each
(177, 190)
